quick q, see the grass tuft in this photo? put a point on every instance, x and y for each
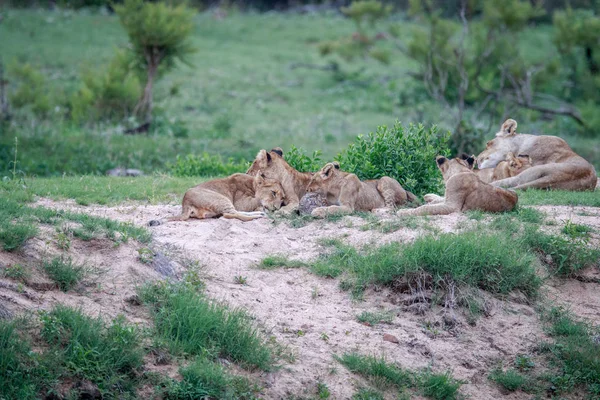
(510, 380)
(64, 272)
(440, 386)
(374, 318)
(14, 235)
(191, 324)
(276, 261)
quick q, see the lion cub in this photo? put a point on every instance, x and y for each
(238, 196)
(511, 166)
(464, 191)
(351, 194)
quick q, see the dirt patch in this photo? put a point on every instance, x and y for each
(310, 315)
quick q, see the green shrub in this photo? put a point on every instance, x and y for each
(16, 272)
(30, 90)
(108, 93)
(206, 379)
(298, 159)
(194, 325)
(110, 356)
(404, 153)
(64, 272)
(205, 165)
(440, 386)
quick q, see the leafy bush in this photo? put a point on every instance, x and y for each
(205, 165)
(298, 159)
(107, 93)
(31, 88)
(404, 153)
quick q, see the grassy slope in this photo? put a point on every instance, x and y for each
(241, 78)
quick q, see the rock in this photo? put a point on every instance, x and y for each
(390, 338)
(163, 265)
(310, 201)
(87, 390)
(124, 172)
(134, 300)
(5, 313)
(154, 222)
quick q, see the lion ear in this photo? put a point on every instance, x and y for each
(336, 165)
(509, 128)
(277, 150)
(327, 171)
(471, 161)
(440, 160)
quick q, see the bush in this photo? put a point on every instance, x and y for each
(298, 159)
(31, 89)
(403, 153)
(205, 165)
(107, 93)
(16, 364)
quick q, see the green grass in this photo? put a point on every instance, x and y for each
(367, 394)
(64, 272)
(489, 261)
(277, 261)
(559, 198)
(374, 318)
(191, 324)
(17, 363)
(511, 380)
(235, 99)
(103, 190)
(385, 375)
(109, 355)
(16, 271)
(206, 379)
(19, 222)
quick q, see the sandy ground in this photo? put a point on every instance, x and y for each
(310, 315)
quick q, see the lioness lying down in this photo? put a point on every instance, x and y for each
(511, 166)
(351, 194)
(554, 164)
(238, 196)
(464, 191)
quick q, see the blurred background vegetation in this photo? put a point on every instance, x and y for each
(198, 87)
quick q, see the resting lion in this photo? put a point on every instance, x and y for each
(464, 191)
(351, 194)
(273, 166)
(554, 164)
(238, 196)
(511, 166)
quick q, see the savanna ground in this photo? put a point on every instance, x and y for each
(97, 303)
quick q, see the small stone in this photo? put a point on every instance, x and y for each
(124, 172)
(390, 338)
(154, 222)
(310, 201)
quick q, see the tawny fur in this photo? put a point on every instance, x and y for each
(511, 166)
(273, 166)
(238, 196)
(464, 191)
(554, 164)
(350, 194)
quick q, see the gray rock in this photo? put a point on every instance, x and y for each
(124, 172)
(154, 222)
(310, 201)
(163, 265)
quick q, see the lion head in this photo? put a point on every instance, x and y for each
(325, 178)
(497, 148)
(269, 192)
(453, 166)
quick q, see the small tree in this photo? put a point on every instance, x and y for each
(159, 37)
